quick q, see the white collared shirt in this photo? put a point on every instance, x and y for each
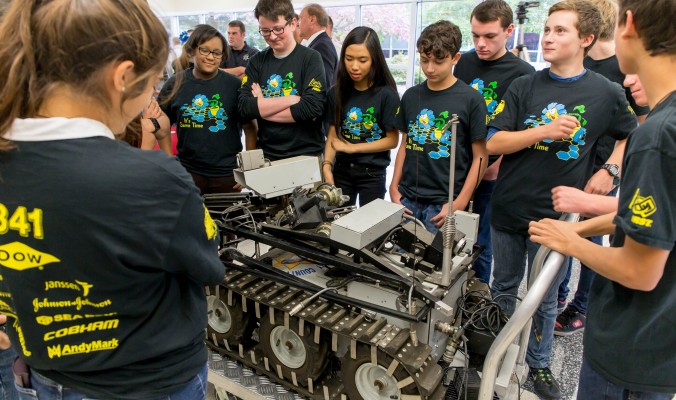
(56, 128)
(308, 41)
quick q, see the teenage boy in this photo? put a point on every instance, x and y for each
(239, 51)
(629, 340)
(601, 59)
(489, 69)
(283, 87)
(421, 170)
(547, 133)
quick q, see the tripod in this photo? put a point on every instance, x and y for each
(521, 17)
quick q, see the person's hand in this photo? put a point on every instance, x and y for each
(557, 235)
(395, 197)
(328, 174)
(562, 127)
(570, 200)
(4, 339)
(256, 90)
(600, 183)
(439, 219)
(341, 146)
(238, 187)
(152, 110)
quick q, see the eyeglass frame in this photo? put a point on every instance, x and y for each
(271, 31)
(217, 55)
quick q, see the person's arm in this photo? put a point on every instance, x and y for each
(274, 109)
(602, 182)
(476, 170)
(389, 142)
(329, 155)
(505, 142)
(193, 247)
(312, 90)
(395, 196)
(4, 339)
(236, 71)
(572, 200)
(634, 265)
(250, 134)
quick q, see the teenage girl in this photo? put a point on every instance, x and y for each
(362, 109)
(105, 248)
(204, 109)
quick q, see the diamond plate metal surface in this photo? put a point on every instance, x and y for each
(243, 376)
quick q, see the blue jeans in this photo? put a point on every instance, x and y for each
(593, 385)
(482, 200)
(46, 389)
(510, 251)
(367, 182)
(587, 275)
(7, 391)
(423, 212)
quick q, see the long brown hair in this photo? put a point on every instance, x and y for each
(57, 44)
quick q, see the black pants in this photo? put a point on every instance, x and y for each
(367, 182)
(215, 184)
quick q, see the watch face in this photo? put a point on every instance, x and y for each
(612, 168)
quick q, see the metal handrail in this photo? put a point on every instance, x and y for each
(544, 270)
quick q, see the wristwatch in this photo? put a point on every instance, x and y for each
(614, 171)
(157, 125)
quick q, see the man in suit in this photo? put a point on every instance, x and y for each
(313, 22)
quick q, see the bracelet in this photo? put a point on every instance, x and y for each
(156, 125)
(326, 162)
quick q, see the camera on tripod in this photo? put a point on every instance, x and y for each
(521, 9)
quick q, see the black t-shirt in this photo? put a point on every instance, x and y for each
(422, 115)
(630, 337)
(610, 68)
(239, 58)
(300, 73)
(104, 266)
(491, 78)
(207, 122)
(367, 116)
(523, 189)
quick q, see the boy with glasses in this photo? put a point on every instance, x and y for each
(284, 87)
(547, 133)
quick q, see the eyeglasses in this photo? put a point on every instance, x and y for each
(205, 52)
(277, 30)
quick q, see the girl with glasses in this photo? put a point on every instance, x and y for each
(362, 110)
(204, 109)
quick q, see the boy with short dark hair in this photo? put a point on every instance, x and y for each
(548, 132)
(421, 171)
(489, 69)
(633, 298)
(283, 87)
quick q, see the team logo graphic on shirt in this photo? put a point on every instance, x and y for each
(490, 97)
(577, 138)
(315, 85)
(642, 207)
(203, 110)
(358, 125)
(278, 87)
(428, 129)
(209, 225)
(21, 257)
